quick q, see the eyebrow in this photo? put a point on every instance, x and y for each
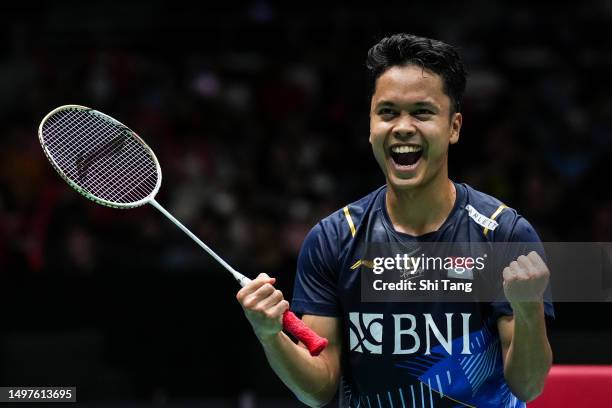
(417, 104)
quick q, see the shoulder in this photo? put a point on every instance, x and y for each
(345, 221)
(325, 242)
(498, 221)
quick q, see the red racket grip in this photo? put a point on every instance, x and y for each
(315, 343)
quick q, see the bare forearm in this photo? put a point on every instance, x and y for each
(529, 356)
(309, 378)
(312, 379)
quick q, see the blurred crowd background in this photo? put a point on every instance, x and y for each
(258, 113)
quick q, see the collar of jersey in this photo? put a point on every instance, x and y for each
(429, 236)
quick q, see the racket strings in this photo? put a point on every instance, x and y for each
(100, 156)
(114, 184)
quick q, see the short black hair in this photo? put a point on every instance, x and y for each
(433, 55)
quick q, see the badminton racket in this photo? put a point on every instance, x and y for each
(108, 163)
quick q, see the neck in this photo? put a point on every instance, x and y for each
(423, 209)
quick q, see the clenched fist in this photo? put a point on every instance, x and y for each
(526, 279)
(263, 306)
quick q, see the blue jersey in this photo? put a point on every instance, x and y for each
(408, 354)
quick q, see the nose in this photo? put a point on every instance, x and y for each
(404, 127)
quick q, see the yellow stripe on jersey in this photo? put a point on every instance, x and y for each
(347, 214)
(356, 264)
(366, 263)
(495, 214)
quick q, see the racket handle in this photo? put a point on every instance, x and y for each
(315, 343)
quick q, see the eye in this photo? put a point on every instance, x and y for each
(386, 112)
(423, 113)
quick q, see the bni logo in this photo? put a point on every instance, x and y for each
(366, 331)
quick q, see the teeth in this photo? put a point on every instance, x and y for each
(406, 149)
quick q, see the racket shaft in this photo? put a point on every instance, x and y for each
(239, 277)
(291, 323)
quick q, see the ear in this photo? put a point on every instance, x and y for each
(456, 122)
(371, 126)
(370, 119)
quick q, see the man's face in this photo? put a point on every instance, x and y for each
(411, 126)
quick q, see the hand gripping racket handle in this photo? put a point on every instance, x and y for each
(313, 342)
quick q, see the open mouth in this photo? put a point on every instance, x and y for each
(406, 155)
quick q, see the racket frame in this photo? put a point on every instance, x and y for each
(80, 189)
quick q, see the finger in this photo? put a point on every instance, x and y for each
(279, 309)
(526, 265)
(253, 286)
(508, 274)
(517, 270)
(264, 291)
(534, 257)
(271, 300)
(538, 262)
(263, 275)
(251, 301)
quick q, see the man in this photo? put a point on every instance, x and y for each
(397, 354)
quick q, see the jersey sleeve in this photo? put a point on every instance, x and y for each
(522, 240)
(315, 290)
